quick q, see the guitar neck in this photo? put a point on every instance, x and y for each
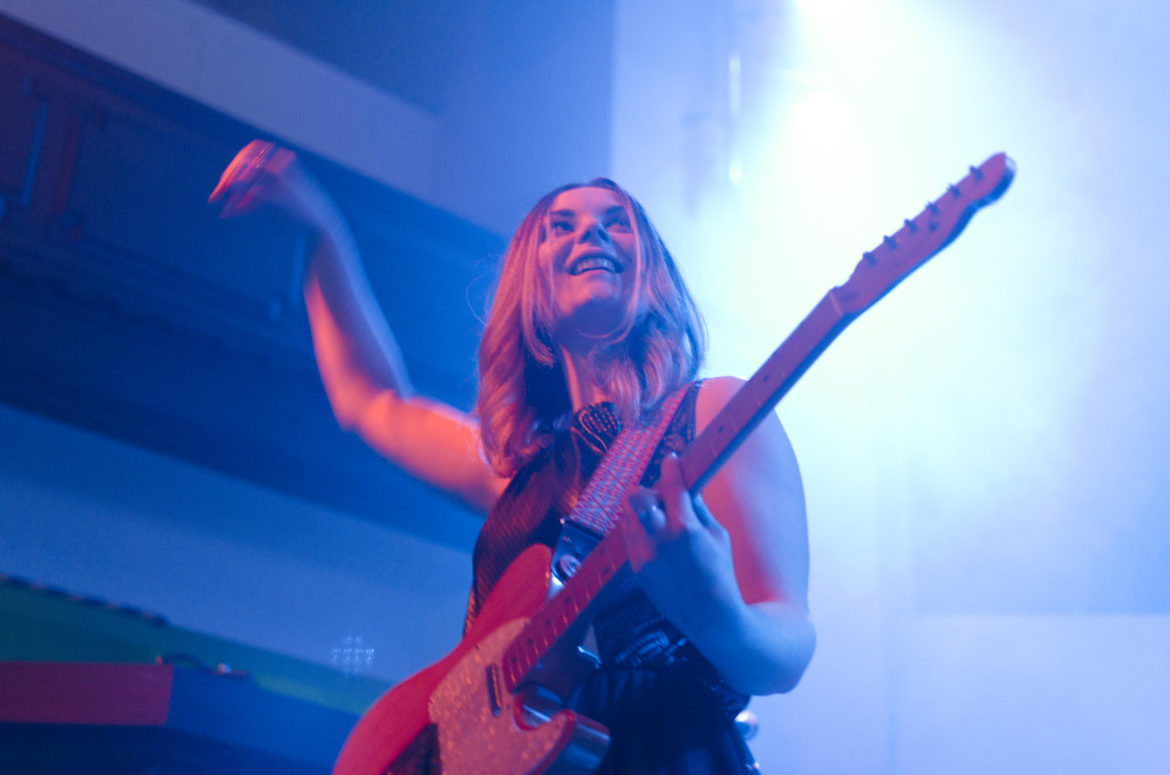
(878, 272)
(569, 608)
(771, 382)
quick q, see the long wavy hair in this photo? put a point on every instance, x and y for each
(522, 388)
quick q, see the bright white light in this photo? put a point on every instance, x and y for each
(734, 85)
(837, 18)
(734, 98)
(826, 142)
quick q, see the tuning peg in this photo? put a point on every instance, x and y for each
(954, 191)
(976, 172)
(911, 225)
(890, 243)
(932, 207)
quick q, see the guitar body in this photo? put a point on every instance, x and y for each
(481, 727)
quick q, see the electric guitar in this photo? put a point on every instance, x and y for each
(492, 703)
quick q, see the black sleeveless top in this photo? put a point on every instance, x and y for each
(666, 707)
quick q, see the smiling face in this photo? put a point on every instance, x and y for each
(589, 252)
(587, 292)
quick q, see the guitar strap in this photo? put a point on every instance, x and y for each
(620, 469)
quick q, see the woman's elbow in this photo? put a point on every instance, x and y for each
(800, 662)
(357, 407)
(790, 659)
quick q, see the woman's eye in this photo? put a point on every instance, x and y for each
(560, 227)
(620, 221)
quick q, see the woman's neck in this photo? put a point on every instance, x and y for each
(580, 380)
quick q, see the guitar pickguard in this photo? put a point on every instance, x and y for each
(484, 728)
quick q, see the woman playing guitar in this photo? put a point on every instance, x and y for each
(591, 328)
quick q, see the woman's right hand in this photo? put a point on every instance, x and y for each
(263, 173)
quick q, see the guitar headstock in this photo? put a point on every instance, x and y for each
(924, 235)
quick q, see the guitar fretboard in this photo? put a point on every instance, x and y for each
(564, 610)
(760, 394)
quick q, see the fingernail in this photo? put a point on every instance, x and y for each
(646, 517)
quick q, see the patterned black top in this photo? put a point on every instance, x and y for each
(545, 491)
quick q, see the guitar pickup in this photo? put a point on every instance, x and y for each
(492, 679)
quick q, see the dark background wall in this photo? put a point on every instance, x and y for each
(132, 310)
(166, 442)
(416, 49)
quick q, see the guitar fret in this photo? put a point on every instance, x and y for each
(550, 632)
(512, 667)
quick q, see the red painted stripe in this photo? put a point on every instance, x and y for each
(85, 693)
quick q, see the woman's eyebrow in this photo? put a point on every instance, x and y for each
(571, 214)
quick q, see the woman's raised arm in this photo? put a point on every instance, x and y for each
(359, 361)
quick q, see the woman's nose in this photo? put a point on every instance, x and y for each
(593, 231)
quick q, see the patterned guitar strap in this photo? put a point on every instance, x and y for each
(621, 468)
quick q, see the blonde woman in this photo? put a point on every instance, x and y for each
(590, 327)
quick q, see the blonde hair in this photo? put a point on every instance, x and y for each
(522, 390)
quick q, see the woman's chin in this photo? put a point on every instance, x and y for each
(592, 326)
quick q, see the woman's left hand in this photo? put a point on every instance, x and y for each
(679, 552)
